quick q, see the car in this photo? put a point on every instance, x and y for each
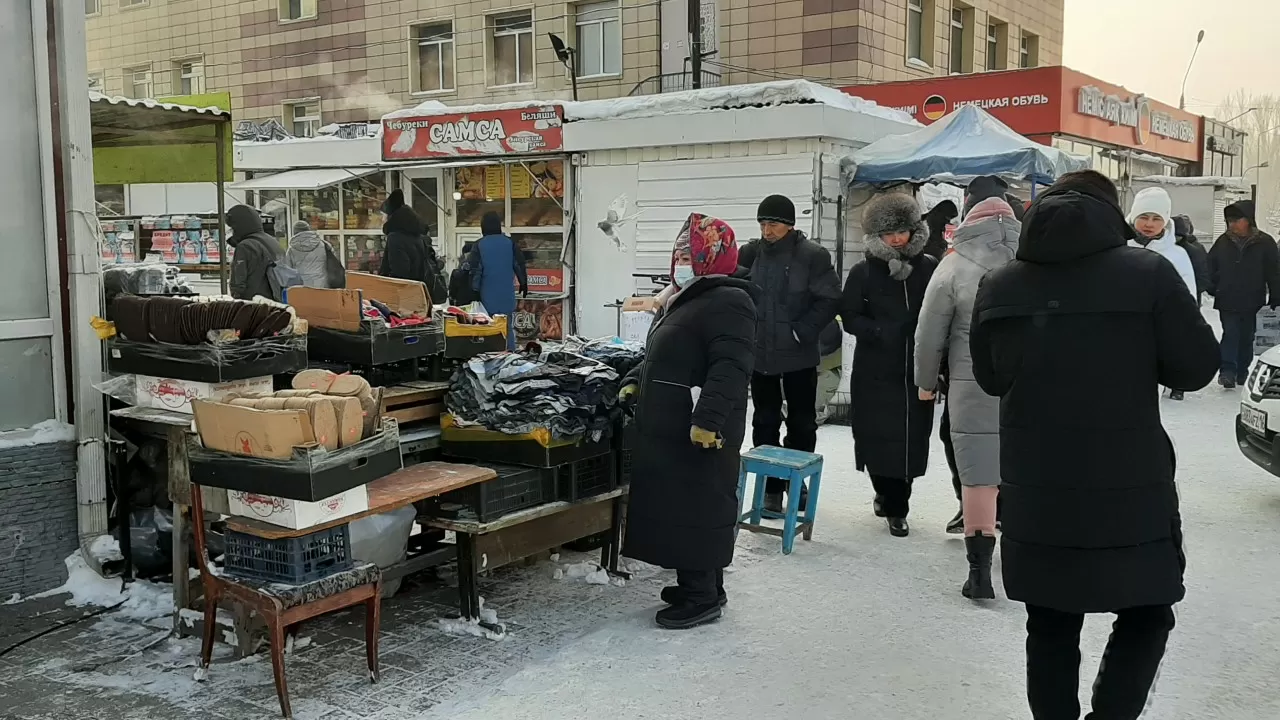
(1258, 424)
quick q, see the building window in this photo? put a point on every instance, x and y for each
(132, 3)
(96, 81)
(297, 9)
(137, 82)
(915, 30)
(188, 77)
(1028, 51)
(513, 48)
(997, 45)
(960, 45)
(303, 118)
(433, 57)
(91, 7)
(599, 41)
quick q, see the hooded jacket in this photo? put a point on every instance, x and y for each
(1244, 273)
(1155, 201)
(1075, 336)
(1186, 234)
(986, 240)
(937, 219)
(256, 252)
(314, 259)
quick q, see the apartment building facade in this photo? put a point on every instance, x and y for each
(309, 63)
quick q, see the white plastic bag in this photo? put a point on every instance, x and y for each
(383, 540)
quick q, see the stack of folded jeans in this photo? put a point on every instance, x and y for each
(570, 395)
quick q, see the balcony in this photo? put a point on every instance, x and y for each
(673, 82)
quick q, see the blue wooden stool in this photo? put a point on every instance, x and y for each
(793, 466)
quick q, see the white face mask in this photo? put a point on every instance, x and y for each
(682, 275)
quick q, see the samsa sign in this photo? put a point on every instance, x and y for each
(494, 132)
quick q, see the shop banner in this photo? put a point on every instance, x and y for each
(521, 131)
(543, 280)
(539, 320)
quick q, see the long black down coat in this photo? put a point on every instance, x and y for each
(891, 426)
(1075, 337)
(684, 499)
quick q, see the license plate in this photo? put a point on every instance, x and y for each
(1254, 419)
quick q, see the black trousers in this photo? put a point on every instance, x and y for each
(701, 587)
(800, 390)
(1129, 664)
(944, 434)
(1238, 330)
(894, 493)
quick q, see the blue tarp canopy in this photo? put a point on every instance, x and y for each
(966, 144)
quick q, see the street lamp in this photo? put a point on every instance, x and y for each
(566, 55)
(1246, 112)
(1261, 166)
(1182, 99)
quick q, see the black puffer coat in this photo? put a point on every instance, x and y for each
(799, 295)
(1244, 275)
(891, 426)
(1075, 337)
(683, 503)
(255, 254)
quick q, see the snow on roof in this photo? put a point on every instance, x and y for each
(97, 97)
(729, 97)
(1214, 180)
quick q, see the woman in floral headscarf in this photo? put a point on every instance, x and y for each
(690, 398)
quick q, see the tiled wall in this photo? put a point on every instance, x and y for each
(356, 54)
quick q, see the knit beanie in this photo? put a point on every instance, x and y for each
(301, 226)
(1239, 210)
(777, 208)
(1151, 201)
(491, 224)
(981, 188)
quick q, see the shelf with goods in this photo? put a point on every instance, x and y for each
(189, 241)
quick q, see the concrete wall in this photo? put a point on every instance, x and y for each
(37, 517)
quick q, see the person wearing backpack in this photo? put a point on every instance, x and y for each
(257, 255)
(314, 258)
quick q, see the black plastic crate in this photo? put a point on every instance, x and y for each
(292, 561)
(515, 488)
(375, 343)
(529, 453)
(586, 478)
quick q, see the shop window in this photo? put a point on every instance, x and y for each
(424, 198)
(363, 253)
(997, 44)
(362, 200)
(303, 118)
(433, 56)
(537, 193)
(188, 77)
(1028, 51)
(138, 82)
(297, 9)
(91, 7)
(513, 48)
(320, 208)
(599, 39)
(109, 200)
(28, 382)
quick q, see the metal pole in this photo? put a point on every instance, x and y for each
(220, 143)
(573, 71)
(695, 42)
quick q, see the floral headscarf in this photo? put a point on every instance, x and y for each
(709, 242)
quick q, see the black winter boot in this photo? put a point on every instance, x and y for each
(674, 595)
(685, 615)
(979, 548)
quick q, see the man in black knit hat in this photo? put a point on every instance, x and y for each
(799, 295)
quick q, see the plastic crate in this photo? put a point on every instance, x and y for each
(292, 561)
(520, 451)
(586, 478)
(515, 488)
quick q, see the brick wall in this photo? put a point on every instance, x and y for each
(37, 517)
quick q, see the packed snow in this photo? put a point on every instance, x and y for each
(139, 600)
(49, 431)
(1237, 182)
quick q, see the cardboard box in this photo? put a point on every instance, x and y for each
(298, 514)
(270, 434)
(406, 297)
(334, 309)
(176, 395)
(638, 314)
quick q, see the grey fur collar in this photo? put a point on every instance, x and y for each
(899, 261)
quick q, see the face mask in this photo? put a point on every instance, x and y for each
(682, 275)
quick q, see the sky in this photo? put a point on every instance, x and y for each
(1144, 45)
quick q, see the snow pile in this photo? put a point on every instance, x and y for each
(1214, 180)
(462, 626)
(591, 572)
(49, 431)
(105, 549)
(140, 600)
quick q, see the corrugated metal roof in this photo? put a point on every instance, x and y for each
(97, 97)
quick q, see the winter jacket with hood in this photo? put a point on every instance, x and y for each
(1075, 336)
(880, 307)
(799, 295)
(409, 254)
(1243, 272)
(937, 219)
(986, 240)
(1187, 240)
(1155, 201)
(256, 252)
(315, 260)
(497, 267)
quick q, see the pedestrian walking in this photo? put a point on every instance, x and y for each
(409, 254)
(880, 306)
(1185, 233)
(690, 399)
(937, 220)
(314, 258)
(1075, 336)
(256, 254)
(987, 239)
(799, 295)
(497, 267)
(1244, 275)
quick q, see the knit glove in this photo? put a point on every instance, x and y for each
(705, 438)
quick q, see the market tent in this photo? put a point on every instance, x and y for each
(309, 179)
(966, 144)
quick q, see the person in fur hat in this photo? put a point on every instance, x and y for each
(880, 306)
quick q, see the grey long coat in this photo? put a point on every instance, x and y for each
(944, 328)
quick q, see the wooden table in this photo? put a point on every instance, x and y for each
(483, 546)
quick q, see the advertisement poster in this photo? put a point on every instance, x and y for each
(545, 280)
(539, 320)
(535, 129)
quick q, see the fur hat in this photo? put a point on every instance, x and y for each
(777, 208)
(890, 213)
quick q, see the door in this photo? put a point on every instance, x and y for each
(604, 266)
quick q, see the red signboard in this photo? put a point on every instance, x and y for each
(535, 129)
(1042, 102)
(542, 280)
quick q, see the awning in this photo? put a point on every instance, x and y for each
(311, 179)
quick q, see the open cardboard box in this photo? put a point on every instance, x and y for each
(340, 333)
(406, 297)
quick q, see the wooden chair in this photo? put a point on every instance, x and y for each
(281, 606)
